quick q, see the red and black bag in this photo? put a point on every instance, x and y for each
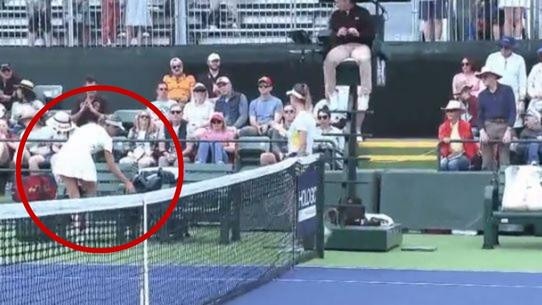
(36, 187)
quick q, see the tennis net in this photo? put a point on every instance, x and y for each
(226, 236)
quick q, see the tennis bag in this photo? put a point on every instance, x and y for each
(36, 187)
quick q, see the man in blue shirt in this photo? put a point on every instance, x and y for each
(496, 117)
(263, 111)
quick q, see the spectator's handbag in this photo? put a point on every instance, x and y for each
(36, 187)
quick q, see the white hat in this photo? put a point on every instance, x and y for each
(454, 105)
(213, 56)
(61, 122)
(174, 61)
(488, 70)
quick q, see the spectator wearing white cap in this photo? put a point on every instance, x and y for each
(24, 95)
(179, 84)
(58, 127)
(233, 105)
(496, 118)
(534, 84)
(264, 111)
(511, 67)
(531, 152)
(303, 129)
(209, 77)
(198, 111)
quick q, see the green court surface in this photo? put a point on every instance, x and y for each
(454, 252)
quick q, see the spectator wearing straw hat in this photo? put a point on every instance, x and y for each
(470, 104)
(455, 156)
(534, 84)
(179, 84)
(58, 127)
(513, 71)
(233, 105)
(8, 84)
(74, 163)
(302, 131)
(531, 152)
(496, 118)
(24, 95)
(213, 73)
(264, 111)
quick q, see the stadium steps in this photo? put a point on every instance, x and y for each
(398, 153)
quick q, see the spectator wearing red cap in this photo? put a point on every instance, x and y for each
(215, 142)
(264, 111)
(209, 77)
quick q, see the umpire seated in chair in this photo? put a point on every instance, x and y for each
(352, 33)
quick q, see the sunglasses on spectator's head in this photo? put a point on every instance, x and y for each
(216, 122)
(176, 111)
(323, 117)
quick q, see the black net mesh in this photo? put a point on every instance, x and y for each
(225, 236)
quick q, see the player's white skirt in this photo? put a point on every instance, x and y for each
(80, 166)
(515, 3)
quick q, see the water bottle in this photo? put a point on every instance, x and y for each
(381, 72)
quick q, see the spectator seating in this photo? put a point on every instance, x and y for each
(494, 215)
(249, 152)
(46, 93)
(198, 172)
(259, 21)
(127, 116)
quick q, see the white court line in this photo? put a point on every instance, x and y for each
(400, 283)
(416, 270)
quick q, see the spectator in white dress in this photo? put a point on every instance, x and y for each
(303, 129)
(512, 68)
(534, 85)
(138, 17)
(74, 163)
(198, 111)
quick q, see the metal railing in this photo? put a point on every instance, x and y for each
(92, 23)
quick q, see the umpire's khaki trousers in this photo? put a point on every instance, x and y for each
(361, 54)
(495, 131)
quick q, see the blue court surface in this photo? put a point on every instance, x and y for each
(335, 286)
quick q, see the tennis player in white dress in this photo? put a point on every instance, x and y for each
(74, 163)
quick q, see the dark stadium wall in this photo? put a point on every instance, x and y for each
(418, 83)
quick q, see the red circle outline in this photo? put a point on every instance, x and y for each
(53, 235)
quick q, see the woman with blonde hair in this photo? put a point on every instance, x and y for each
(198, 111)
(140, 152)
(303, 129)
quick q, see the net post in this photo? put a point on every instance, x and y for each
(236, 216)
(144, 295)
(320, 235)
(225, 219)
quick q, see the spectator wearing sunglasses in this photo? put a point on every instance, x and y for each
(468, 76)
(178, 83)
(198, 111)
(279, 133)
(263, 111)
(324, 126)
(215, 142)
(213, 73)
(9, 81)
(141, 153)
(233, 105)
(168, 154)
(162, 102)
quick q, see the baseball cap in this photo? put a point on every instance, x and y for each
(199, 86)
(223, 80)
(266, 79)
(213, 56)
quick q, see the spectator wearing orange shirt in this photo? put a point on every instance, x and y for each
(455, 156)
(178, 83)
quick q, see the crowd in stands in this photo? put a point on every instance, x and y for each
(492, 108)
(207, 114)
